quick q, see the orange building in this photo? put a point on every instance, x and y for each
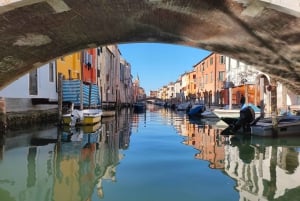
(209, 143)
(210, 75)
(192, 86)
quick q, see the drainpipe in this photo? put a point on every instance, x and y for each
(215, 80)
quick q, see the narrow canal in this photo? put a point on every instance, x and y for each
(158, 155)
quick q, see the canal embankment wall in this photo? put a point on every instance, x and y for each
(21, 113)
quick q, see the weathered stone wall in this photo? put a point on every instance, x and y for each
(25, 104)
(26, 119)
(19, 113)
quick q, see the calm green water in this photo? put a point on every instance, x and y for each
(159, 155)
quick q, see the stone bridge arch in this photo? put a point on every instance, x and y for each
(259, 32)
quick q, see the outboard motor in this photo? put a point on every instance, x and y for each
(247, 115)
(76, 115)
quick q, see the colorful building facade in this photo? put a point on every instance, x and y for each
(210, 75)
(70, 66)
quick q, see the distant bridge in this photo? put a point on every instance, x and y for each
(151, 99)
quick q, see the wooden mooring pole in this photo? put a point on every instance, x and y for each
(262, 102)
(59, 93)
(3, 123)
(274, 112)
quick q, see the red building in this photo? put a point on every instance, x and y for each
(89, 67)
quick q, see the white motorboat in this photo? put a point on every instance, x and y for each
(234, 113)
(208, 114)
(287, 126)
(82, 117)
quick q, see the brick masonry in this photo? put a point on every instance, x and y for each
(33, 32)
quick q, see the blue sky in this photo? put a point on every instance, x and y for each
(157, 64)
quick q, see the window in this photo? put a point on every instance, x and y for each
(51, 72)
(211, 61)
(222, 59)
(298, 100)
(99, 50)
(33, 84)
(211, 77)
(221, 75)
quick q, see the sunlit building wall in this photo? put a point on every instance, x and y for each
(184, 84)
(70, 66)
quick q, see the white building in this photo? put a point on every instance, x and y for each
(33, 90)
(238, 73)
(177, 89)
(126, 91)
(171, 91)
(184, 84)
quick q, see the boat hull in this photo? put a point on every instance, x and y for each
(225, 113)
(285, 128)
(196, 110)
(89, 120)
(85, 117)
(108, 113)
(139, 107)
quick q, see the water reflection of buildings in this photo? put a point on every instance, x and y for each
(68, 170)
(208, 141)
(264, 171)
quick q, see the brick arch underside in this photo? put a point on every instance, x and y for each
(34, 33)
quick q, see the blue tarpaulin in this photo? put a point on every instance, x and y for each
(71, 93)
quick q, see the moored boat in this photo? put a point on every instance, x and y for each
(139, 107)
(242, 123)
(197, 110)
(208, 114)
(108, 113)
(235, 113)
(287, 126)
(82, 117)
(184, 106)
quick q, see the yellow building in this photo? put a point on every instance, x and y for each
(70, 66)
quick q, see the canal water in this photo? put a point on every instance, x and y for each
(158, 155)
